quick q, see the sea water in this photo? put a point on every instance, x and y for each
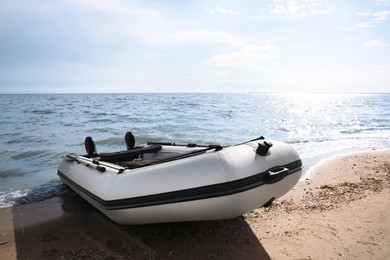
(36, 129)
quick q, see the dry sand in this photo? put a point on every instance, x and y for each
(340, 211)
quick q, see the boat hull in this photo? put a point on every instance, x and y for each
(214, 185)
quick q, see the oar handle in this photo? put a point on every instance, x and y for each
(93, 164)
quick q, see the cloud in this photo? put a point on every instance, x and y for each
(374, 19)
(249, 56)
(346, 28)
(381, 16)
(128, 21)
(374, 43)
(221, 10)
(152, 25)
(382, 2)
(299, 8)
(368, 24)
(368, 13)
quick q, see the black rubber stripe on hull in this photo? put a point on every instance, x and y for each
(204, 192)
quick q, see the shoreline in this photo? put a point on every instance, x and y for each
(339, 210)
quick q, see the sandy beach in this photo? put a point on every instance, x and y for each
(340, 210)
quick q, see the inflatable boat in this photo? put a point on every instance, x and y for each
(168, 182)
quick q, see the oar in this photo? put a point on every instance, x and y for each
(93, 164)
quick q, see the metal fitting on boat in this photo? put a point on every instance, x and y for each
(263, 148)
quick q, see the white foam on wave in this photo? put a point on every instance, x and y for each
(8, 199)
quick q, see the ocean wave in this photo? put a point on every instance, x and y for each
(13, 172)
(8, 199)
(284, 129)
(102, 130)
(308, 140)
(70, 124)
(140, 139)
(41, 111)
(380, 128)
(31, 154)
(110, 140)
(100, 120)
(26, 139)
(41, 192)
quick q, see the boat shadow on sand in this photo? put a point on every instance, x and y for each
(67, 227)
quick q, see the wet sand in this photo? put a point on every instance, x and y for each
(340, 211)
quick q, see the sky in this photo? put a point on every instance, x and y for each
(88, 46)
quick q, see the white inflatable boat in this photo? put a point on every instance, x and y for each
(167, 182)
